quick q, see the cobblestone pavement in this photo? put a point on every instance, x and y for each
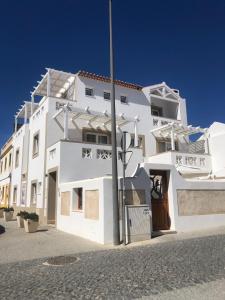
(148, 272)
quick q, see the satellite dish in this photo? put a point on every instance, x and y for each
(127, 139)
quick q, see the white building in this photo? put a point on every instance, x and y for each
(62, 156)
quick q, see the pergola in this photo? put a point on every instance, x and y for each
(92, 118)
(25, 111)
(56, 84)
(173, 130)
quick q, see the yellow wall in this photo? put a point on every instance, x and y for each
(5, 191)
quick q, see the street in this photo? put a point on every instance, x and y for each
(176, 268)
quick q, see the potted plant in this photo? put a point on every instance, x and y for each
(1, 211)
(20, 218)
(8, 213)
(31, 222)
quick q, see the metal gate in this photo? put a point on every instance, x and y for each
(138, 225)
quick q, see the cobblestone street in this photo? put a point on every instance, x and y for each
(150, 271)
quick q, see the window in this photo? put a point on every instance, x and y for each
(10, 159)
(77, 203)
(5, 163)
(34, 193)
(123, 99)
(103, 139)
(17, 158)
(15, 195)
(140, 142)
(156, 111)
(89, 92)
(107, 96)
(96, 138)
(164, 146)
(1, 166)
(91, 138)
(35, 144)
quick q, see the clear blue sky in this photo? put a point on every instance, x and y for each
(180, 42)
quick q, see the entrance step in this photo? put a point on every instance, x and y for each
(162, 232)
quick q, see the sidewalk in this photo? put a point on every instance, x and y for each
(17, 245)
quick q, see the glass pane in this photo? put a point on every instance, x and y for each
(91, 138)
(102, 139)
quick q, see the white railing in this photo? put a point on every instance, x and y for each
(89, 153)
(161, 121)
(86, 153)
(191, 161)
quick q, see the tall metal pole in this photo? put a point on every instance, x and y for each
(124, 148)
(116, 230)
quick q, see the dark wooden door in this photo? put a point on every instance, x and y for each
(159, 200)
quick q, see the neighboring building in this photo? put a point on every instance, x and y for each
(62, 157)
(6, 160)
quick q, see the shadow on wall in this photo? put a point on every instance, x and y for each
(2, 229)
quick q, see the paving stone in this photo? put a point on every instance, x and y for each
(126, 273)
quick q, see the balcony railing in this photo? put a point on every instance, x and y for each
(161, 121)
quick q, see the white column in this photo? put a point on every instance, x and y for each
(25, 114)
(49, 84)
(135, 134)
(15, 129)
(206, 145)
(32, 104)
(172, 139)
(74, 91)
(65, 123)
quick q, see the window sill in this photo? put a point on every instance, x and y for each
(78, 211)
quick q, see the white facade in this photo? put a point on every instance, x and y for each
(65, 143)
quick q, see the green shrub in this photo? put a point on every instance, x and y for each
(22, 213)
(8, 209)
(31, 216)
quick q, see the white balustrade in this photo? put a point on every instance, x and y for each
(87, 153)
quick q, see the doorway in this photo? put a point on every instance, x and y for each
(51, 211)
(159, 200)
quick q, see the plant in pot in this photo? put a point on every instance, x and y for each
(1, 211)
(31, 222)
(8, 213)
(20, 218)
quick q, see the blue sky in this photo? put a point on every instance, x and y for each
(179, 42)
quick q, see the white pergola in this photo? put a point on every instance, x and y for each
(25, 112)
(92, 118)
(173, 130)
(56, 84)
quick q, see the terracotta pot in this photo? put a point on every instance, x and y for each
(30, 226)
(8, 215)
(20, 221)
(1, 213)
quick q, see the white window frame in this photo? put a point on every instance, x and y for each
(36, 151)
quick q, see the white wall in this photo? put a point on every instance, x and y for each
(188, 223)
(216, 148)
(19, 142)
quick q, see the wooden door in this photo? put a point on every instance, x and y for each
(159, 200)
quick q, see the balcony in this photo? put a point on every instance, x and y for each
(161, 121)
(186, 163)
(78, 160)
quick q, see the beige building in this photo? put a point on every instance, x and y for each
(6, 164)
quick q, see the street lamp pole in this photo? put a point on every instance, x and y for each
(116, 230)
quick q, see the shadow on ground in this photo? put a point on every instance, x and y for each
(2, 229)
